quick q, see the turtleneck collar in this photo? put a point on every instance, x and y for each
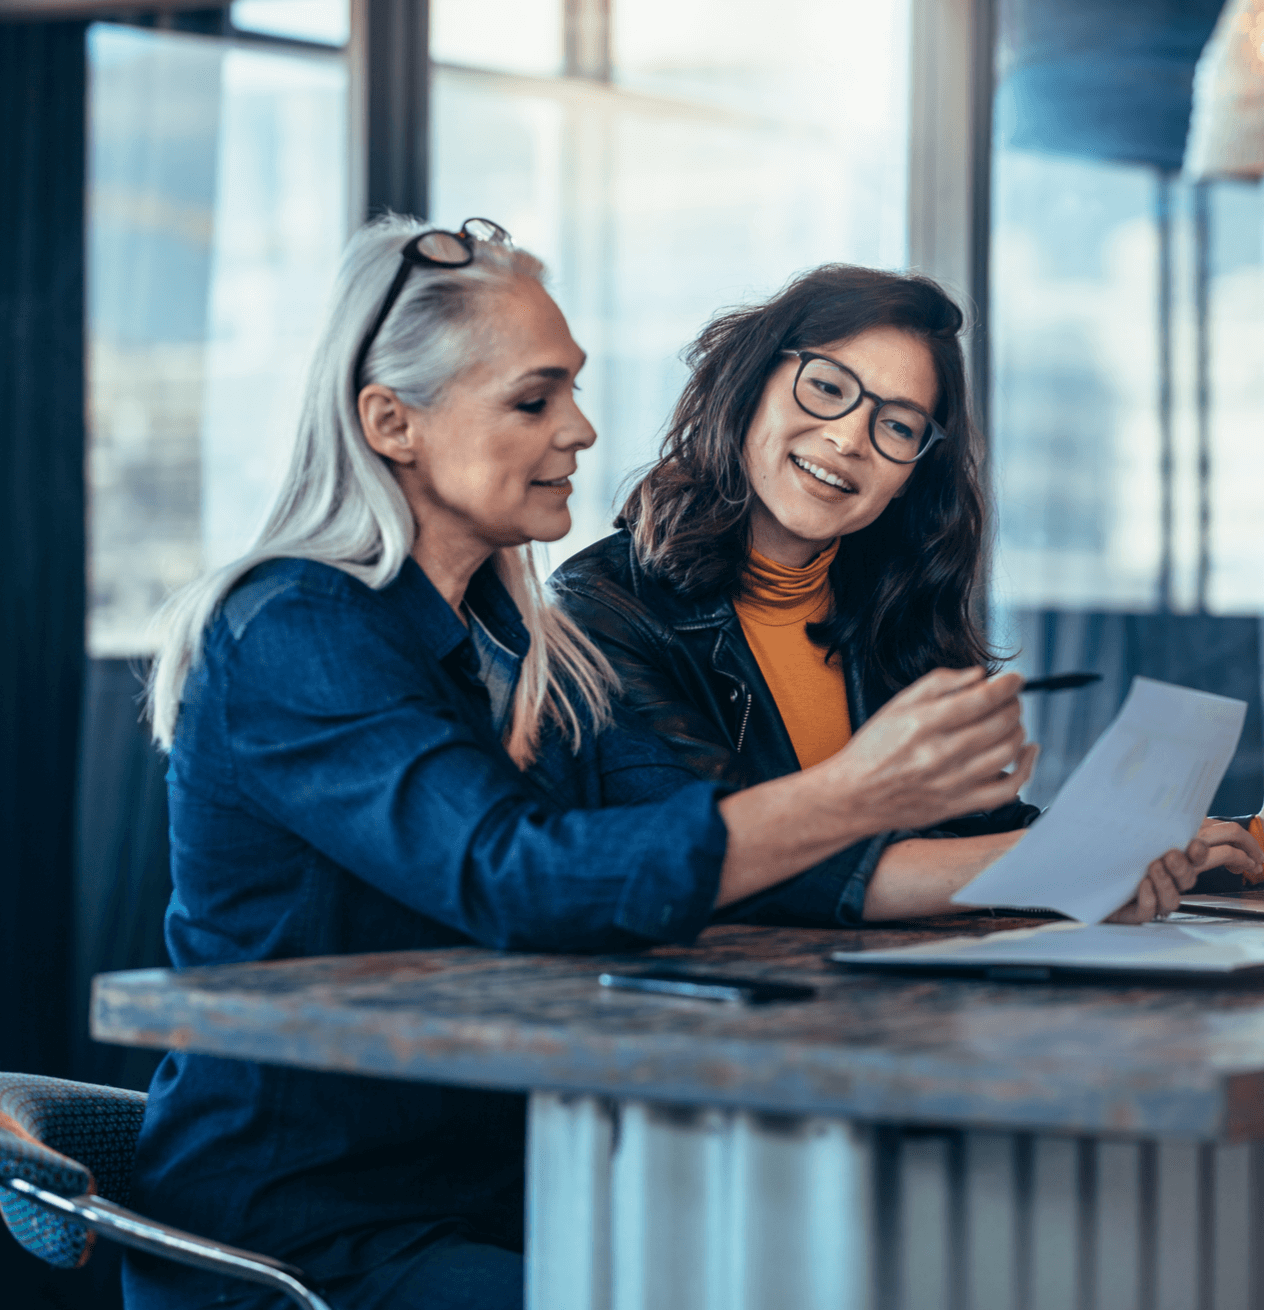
(778, 595)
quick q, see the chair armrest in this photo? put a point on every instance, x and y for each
(131, 1229)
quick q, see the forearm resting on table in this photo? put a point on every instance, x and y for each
(919, 876)
(775, 831)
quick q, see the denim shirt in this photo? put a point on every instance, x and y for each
(337, 784)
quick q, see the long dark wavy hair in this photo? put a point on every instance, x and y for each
(902, 586)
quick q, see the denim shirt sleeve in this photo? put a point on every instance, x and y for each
(343, 733)
(630, 763)
(830, 894)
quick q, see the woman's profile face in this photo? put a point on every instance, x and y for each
(817, 479)
(491, 461)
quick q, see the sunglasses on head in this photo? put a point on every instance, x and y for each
(433, 249)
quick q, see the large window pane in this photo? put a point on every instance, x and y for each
(217, 204)
(1088, 517)
(1236, 330)
(1074, 417)
(512, 36)
(721, 161)
(326, 21)
(280, 223)
(153, 116)
(841, 66)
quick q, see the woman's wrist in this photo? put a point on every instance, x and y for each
(779, 828)
(835, 809)
(920, 876)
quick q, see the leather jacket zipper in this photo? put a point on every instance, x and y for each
(741, 732)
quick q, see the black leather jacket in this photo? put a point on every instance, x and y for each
(685, 665)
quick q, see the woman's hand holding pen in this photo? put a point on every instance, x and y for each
(939, 749)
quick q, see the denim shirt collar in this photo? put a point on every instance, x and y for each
(490, 652)
(443, 631)
(498, 671)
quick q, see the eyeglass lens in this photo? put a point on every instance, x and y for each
(827, 391)
(442, 248)
(483, 229)
(451, 248)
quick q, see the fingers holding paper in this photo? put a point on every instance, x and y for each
(1219, 844)
(1139, 788)
(1159, 894)
(1222, 843)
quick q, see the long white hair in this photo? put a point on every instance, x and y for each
(341, 505)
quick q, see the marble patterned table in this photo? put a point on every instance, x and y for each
(894, 1144)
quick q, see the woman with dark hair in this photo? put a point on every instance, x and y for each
(808, 544)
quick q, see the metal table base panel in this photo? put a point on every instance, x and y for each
(635, 1206)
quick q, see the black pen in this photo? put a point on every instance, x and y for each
(1061, 682)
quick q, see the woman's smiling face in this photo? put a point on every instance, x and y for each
(817, 479)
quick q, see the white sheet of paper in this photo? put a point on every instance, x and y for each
(1196, 948)
(1143, 789)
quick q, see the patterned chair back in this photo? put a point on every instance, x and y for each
(71, 1139)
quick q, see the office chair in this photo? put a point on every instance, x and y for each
(55, 1205)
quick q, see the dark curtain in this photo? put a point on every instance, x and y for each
(1208, 653)
(42, 81)
(42, 157)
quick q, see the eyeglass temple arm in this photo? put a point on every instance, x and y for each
(131, 1229)
(401, 276)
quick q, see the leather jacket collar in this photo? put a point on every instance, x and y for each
(697, 645)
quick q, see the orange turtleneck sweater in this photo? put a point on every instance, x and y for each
(775, 607)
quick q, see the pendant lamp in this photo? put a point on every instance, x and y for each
(1226, 129)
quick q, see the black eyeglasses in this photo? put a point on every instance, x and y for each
(436, 249)
(899, 430)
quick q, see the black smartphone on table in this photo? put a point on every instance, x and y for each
(707, 986)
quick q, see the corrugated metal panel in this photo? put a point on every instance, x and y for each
(642, 1207)
(568, 1200)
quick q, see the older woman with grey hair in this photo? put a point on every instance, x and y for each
(383, 736)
